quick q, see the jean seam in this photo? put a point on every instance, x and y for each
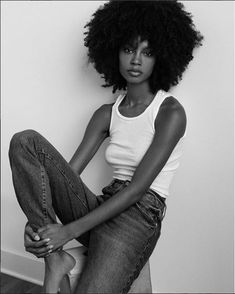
(147, 216)
(48, 156)
(160, 212)
(162, 207)
(44, 205)
(138, 263)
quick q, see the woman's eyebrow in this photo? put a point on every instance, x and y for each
(130, 44)
(134, 44)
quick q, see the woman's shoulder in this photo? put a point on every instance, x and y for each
(171, 105)
(105, 109)
(103, 113)
(171, 110)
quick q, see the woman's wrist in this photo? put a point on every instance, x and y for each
(71, 231)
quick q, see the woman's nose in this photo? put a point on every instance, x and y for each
(136, 59)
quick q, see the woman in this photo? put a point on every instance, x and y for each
(142, 48)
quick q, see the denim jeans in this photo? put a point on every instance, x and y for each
(46, 186)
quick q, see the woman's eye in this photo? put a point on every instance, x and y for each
(148, 53)
(128, 50)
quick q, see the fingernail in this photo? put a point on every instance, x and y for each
(49, 251)
(50, 247)
(47, 240)
(36, 238)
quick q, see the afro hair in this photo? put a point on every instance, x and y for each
(167, 27)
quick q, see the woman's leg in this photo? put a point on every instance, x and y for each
(46, 186)
(120, 247)
(114, 262)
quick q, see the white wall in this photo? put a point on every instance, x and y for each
(47, 86)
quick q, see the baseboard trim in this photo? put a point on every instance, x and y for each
(22, 267)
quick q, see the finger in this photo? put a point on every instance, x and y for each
(36, 251)
(36, 237)
(30, 232)
(28, 240)
(36, 244)
(39, 252)
(41, 243)
(44, 255)
(43, 235)
(43, 250)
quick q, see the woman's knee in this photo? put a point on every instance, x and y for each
(20, 139)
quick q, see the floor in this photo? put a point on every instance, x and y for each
(12, 285)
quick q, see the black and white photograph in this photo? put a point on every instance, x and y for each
(117, 147)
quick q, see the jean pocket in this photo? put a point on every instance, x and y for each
(152, 208)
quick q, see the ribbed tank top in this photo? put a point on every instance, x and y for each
(130, 137)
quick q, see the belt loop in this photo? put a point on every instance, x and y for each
(127, 182)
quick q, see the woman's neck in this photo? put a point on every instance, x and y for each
(138, 94)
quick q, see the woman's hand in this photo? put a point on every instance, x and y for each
(34, 245)
(56, 233)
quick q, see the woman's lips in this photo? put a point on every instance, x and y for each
(134, 73)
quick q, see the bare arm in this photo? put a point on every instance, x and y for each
(170, 126)
(96, 132)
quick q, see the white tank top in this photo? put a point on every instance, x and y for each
(130, 137)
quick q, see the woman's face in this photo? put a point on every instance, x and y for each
(136, 61)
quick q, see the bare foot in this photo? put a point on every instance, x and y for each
(57, 265)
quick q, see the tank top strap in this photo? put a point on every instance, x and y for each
(158, 100)
(114, 110)
(118, 101)
(155, 105)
